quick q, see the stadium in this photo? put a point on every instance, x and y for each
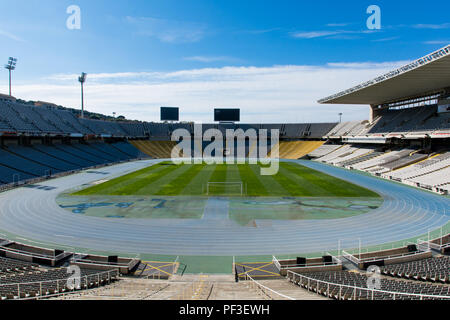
(101, 208)
(107, 196)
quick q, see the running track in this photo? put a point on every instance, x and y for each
(33, 214)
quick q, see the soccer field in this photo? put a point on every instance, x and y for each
(167, 179)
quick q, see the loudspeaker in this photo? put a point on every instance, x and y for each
(112, 259)
(327, 260)
(412, 248)
(301, 261)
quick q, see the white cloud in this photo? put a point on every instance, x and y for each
(439, 42)
(330, 34)
(337, 24)
(432, 26)
(385, 39)
(209, 59)
(170, 31)
(314, 34)
(10, 36)
(265, 94)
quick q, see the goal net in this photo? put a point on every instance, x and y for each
(225, 188)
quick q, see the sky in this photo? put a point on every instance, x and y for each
(272, 59)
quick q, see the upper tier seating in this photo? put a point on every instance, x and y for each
(417, 119)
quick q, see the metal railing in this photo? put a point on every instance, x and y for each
(350, 257)
(276, 263)
(53, 288)
(371, 294)
(269, 293)
(356, 260)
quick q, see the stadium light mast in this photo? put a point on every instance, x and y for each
(10, 67)
(340, 116)
(82, 80)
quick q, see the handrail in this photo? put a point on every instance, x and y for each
(431, 242)
(263, 287)
(350, 257)
(372, 291)
(276, 262)
(34, 282)
(313, 265)
(110, 273)
(103, 263)
(393, 256)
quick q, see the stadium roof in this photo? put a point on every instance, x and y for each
(427, 75)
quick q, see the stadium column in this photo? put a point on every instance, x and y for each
(372, 114)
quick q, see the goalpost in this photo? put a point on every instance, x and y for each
(237, 187)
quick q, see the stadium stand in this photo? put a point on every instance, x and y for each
(406, 140)
(297, 149)
(436, 269)
(426, 166)
(39, 283)
(433, 179)
(409, 120)
(349, 285)
(155, 149)
(352, 154)
(351, 128)
(10, 266)
(19, 163)
(414, 167)
(343, 151)
(324, 150)
(128, 150)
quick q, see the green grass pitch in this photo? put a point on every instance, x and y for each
(167, 179)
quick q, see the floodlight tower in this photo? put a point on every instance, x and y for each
(10, 67)
(340, 116)
(82, 80)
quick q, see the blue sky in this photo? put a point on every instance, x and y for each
(262, 56)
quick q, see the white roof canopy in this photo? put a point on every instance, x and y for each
(427, 75)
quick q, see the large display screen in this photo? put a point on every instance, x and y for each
(170, 114)
(227, 115)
